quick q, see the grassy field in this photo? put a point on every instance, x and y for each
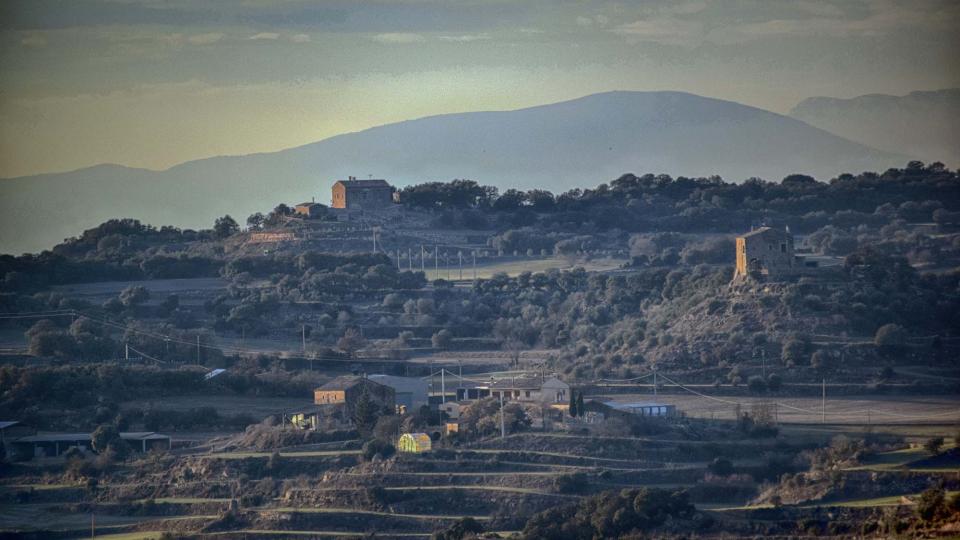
(330, 510)
(847, 410)
(893, 500)
(514, 267)
(158, 288)
(901, 459)
(137, 535)
(43, 516)
(307, 454)
(258, 407)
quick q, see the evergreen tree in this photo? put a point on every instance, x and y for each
(365, 414)
(573, 403)
(580, 404)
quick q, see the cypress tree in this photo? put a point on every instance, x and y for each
(580, 404)
(365, 414)
(573, 403)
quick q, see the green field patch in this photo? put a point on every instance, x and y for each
(186, 500)
(331, 510)
(893, 500)
(315, 534)
(38, 487)
(900, 460)
(305, 454)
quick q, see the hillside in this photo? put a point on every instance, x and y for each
(921, 124)
(559, 146)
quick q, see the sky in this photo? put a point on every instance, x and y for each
(155, 83)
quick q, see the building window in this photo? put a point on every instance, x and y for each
(783, 248)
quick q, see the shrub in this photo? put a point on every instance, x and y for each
(442, 339)
(933, 445)
(794, 352)
(720, 467)
(376, 447)
(890, 337)
(463, 528)
(757, 384)
(571, 483)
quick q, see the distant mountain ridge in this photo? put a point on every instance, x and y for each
(922, 124)
(577, 143)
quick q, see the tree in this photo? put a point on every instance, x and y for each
(794, 352)
(365, 414)
(169, 304)
(580, 410)
(442, 339)
(255, 221)
(821, 360)
(774, 382)
(571, 483)
(225, 226)
(931, 503)
(351, 342)
(890, 338)
(757, 385)
(377, 447)
(460, 530)
(573, 403)
(107, 437)
(933, 445)
(134, 295)
(720, 467)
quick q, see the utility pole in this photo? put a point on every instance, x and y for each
(198, 349)
(503, 426)
(303, 338)
(823, 402)
(654, 382)
(410, 259)
(398, 261)
(126, 352)
(436, 261)
(374, 231)
(443, 387)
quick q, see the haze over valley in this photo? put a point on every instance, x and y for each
(480, 270)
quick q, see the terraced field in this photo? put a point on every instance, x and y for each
(330, 493)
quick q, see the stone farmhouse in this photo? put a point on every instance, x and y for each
(353, 194)
(766, 253)
(344, 392)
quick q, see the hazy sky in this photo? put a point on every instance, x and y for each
(154, 83)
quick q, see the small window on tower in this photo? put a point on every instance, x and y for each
(783, 248)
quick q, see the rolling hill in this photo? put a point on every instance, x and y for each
(921, 124)
(578, 143)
